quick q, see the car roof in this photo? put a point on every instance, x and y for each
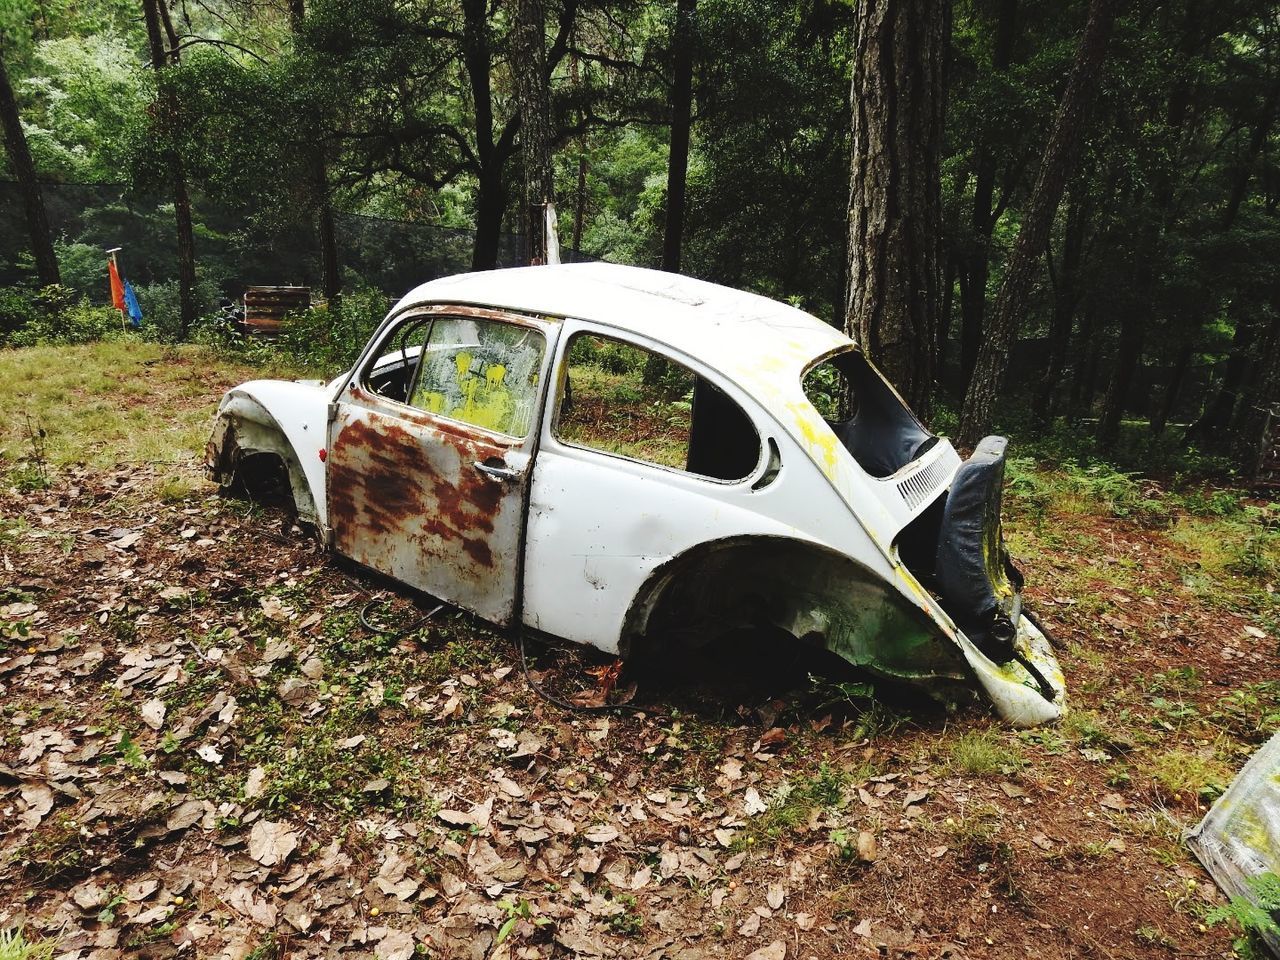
(741, 334)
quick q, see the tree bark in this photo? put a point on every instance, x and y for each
(1210, 429)
(1177, 376)
(681, 121)
(1060, 155)
(15, 142)
(976, 268)
(167, 106)
(491, 187)
(1066, 295)
(1260, 406)
(326, 230)
(1133, 331)
(895, 208)
(533, 99)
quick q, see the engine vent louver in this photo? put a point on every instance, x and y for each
(920, 486)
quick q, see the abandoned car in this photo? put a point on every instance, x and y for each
(622, 457)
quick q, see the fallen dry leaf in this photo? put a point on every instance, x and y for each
(271, 842)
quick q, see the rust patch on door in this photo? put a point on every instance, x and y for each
(405, 494)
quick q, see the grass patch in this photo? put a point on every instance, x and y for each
(983, 753)
(1183, 774)
(111, 403)
(14, 946)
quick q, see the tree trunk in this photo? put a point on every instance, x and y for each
(1260, 406)
(1060, 154)
(1085, 369)
(491, 188)
(977, 266)
(1065, 297)
(895, 207)
(1177, 377)
(326, 231)
(533, 100)
(1133, 330)
(168, 108)
(1210, 429)
(681, 121)
(15, 142)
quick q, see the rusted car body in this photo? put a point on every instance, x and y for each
(625, 458)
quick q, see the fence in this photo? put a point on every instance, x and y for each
(233, 248)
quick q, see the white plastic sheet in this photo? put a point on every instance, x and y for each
(1239, 838)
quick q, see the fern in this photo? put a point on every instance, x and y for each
(1254, 914)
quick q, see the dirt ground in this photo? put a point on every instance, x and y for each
(205, 752)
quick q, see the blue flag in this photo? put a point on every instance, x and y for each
(131, 304)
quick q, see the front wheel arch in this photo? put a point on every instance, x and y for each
(246, 439)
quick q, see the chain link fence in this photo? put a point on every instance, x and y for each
(233, 249)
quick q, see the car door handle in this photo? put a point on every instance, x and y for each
(496, 471)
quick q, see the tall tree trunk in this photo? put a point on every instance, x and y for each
(491, 187)
(1060, 154)
(491, 204)
(1065, 297)
(168, 107)
(1260, 406)
(533, 99)
(1214, 422)
(580, 194)
(977, 267)
(1085, 369)
(895, 207)
(1133, 330)
(1177, 377)
(326, 230)
(15, 143)
(681, 121)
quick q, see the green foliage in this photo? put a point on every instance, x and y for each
(52, 315)
(14, 946)
(1254, 914)
(984, 753)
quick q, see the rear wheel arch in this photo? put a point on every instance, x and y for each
(803, 588)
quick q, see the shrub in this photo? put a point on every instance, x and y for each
(52, 315)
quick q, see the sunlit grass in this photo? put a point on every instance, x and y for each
(113, 403)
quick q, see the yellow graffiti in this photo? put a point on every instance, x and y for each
(818, 437)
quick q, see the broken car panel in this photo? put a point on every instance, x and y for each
(627, 458)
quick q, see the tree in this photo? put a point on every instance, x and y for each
(318, 174)
(1057, 164)
(15, 142)
(895, 207)
(682, 47)
(165, 52)
(533, 96)
(975, 262)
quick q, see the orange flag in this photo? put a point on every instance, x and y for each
(117, 288)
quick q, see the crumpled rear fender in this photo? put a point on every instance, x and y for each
(887, 626)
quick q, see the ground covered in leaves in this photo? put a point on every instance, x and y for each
(205, 752)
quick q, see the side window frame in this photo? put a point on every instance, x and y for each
(550, 432)
(427, 316)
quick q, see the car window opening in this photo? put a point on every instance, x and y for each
(622, 399)
(871, 422)
(476, 371)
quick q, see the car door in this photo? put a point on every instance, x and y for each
(428, 470)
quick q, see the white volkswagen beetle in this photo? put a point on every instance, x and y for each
(623, 457)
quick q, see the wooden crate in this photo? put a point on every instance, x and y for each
(266, 307)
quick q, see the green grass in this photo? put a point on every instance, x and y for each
(14, 946)
(983, 753)
(1183, 774)
(110, 404)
